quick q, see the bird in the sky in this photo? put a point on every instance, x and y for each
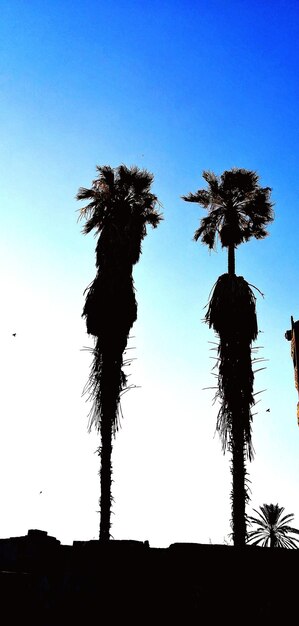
(267, 410)
(14, 334)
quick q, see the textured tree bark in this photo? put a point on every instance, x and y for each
(238, 469)
(111, 374)
(272, 539)
(238, 487)
(231, 260)
(106, 478)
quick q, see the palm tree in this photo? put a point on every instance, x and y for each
(272, 529)
(238, 209)
(120, 207)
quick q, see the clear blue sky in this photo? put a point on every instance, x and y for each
(176, 87)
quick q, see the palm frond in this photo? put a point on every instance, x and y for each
(212, 180)
(201, 197)
(105, 178)
(85, 194)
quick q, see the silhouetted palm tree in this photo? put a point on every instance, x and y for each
(238, 209)
(121, 205)
(272, 529)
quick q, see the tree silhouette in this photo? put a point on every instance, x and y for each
(271, 529)
(238, 209)
(121, 205)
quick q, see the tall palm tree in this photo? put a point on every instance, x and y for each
(120, 206)
(271, 529)
(238, 209)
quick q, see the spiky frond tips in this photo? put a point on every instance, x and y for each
(271, 528)
(238, 208)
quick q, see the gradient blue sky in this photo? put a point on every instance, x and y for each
(176, 87)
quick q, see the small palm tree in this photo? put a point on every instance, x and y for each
(238, 209)
(271, 529)
(121, 205)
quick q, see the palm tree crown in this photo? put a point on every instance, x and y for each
(238, 208)
(272, 529)
(121, 205)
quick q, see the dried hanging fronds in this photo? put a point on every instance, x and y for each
(231, 313)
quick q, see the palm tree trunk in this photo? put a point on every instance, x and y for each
(109, 404)
(272, 539)
(238, 455)
(231, 259)
(238, 470)
(106, 478)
